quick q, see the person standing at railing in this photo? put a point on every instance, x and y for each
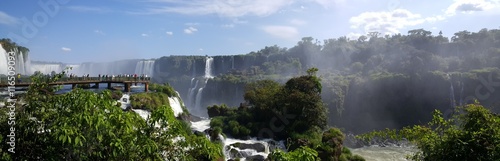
(18, 78)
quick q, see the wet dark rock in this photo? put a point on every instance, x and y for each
(256, 158)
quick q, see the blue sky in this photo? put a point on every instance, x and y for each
(74, 31)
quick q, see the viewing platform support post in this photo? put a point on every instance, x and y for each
(127, 87)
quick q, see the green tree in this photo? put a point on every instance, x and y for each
(473, 133)
(83, 125)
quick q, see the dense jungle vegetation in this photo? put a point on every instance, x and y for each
(373, 82)
(83, 125)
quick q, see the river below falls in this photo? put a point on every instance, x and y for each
(370, 153)
(388, 153)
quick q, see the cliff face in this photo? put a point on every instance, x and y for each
(357, 103)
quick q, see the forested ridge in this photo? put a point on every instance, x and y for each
(372, 82)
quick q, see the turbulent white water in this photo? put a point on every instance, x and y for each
(175, 103)
(232, 152)
(200, 125)
(143, 113)
(389, 153)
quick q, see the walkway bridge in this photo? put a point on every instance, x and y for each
(126, 81)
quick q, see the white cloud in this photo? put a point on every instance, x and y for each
(192, 24)
(190, 30)
(169, 33)
(469, 6)
(238, 21)
(144, 35)
(89, 9)
(99, 32)
(386, 22)
(200, 49)
(228, 8)
(228, 25)
(284, 32)
(65, 49)
(7, 19)
(328, 3)
(298, 22)
(224, 8)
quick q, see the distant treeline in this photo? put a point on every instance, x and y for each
(370, 83)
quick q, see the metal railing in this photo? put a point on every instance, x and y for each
(26, 80)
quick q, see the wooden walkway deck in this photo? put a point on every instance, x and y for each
(85, 80)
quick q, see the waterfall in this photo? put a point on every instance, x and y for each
(461, 93)
(47, 68)
(208, 67)
(452, 96)
(115, 68)
(20, 63)
(27, 66)
(198, 99)
(191, 94)
(195, 92)
(3, 61)
(194, 68)
(145, 67)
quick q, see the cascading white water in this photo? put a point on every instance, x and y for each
(191, 95)
(208, 67)
(175, 103)
(461, 93)
(230, 145)
(3, 61)
(114, 68)
(452, 96)
(145, 67)
(198, 99)
(196, 93)
(208, 75)
(20, 63)
(189, 100)
(27, 66)
(47, 68)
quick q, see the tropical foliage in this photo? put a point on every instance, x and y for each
(83, 125)
(473, 133)
(293, 112)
